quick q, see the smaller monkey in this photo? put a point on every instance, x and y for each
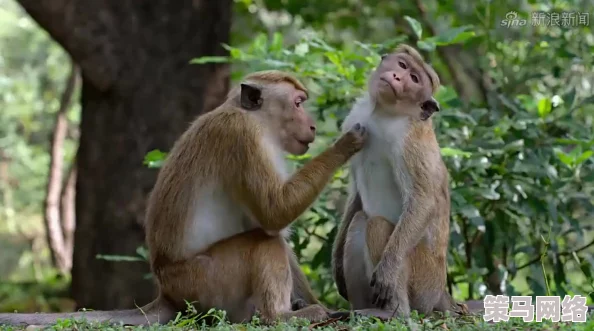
(391, 248)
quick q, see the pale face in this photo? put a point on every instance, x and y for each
(282, 107)
(400, 80)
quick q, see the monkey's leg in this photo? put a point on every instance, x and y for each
(243, 274)
(357, 267)
(428, 278)
(272, 274)
(379, 231)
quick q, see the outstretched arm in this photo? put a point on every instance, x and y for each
(253, 180)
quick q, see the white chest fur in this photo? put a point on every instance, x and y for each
(214, 216)
(379, 171)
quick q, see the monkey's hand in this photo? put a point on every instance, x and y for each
(353, 140)
(383, 284)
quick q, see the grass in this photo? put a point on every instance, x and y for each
(414, 322)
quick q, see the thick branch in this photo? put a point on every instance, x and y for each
(55, 235)
(82, 29)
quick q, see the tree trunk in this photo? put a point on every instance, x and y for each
(139, 93)
(60, 255)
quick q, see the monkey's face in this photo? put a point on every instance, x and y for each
(399, 80)
(279, 107)
(297, 127)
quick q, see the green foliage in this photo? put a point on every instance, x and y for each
(33, 71)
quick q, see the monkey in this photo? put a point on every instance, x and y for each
(219, 215)
(389, 254)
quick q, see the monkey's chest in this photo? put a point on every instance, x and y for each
(379, 181)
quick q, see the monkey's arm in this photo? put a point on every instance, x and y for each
(386, 281)
(353, 205)
(256, 184)
(422, 159)
(418, 211)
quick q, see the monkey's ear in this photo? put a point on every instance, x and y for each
(384, 56)
(251, 97)
(429, 107)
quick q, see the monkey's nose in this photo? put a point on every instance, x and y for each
(312, 128)
(396, 77)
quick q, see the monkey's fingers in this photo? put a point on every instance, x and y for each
(384, 296)
(378, 295)
(462, 309)
(360, 129)
(384, 299)
(298, 304)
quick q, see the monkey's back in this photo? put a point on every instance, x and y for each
(189, 203)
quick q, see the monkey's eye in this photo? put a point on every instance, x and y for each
(298, 102)
(402, 65)
(414, 78)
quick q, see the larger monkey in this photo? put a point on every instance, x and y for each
(222, 204)
(390, 250)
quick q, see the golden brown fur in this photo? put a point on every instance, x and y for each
(223, 202)
(248, 172)
(392, 242)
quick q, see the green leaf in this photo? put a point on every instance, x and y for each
(569, 98)
(454, 36)
(585, 155)
(544, 107)
(154, 158)
(473, 214)
(489, 193)
(462, 37)
(209, 59)
(426, 45)
(566, 159)
(302, 49)
(277, 42)
(415, 25)
(447, 151)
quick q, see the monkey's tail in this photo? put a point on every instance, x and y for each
(158, 311)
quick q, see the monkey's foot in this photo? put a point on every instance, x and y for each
(462, 309)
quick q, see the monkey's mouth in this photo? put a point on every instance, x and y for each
(390, 85)
(304, 143)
